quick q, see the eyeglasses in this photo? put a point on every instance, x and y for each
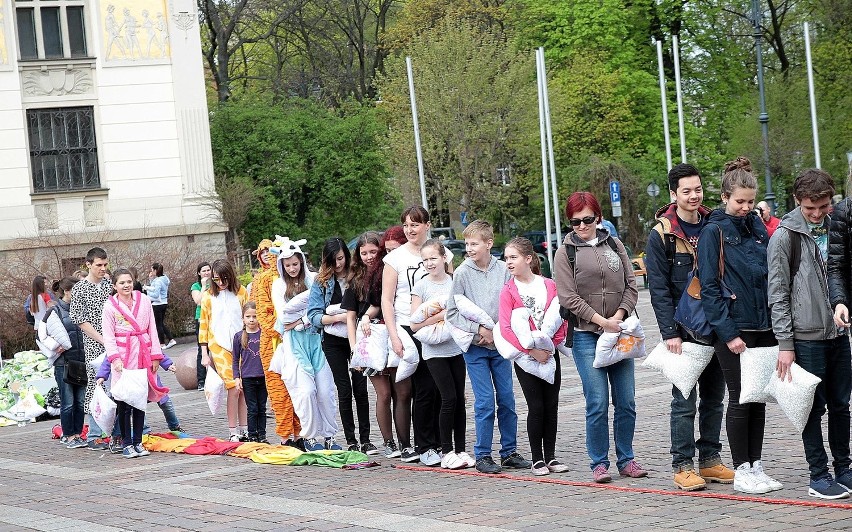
(588, 220)
(217, 279)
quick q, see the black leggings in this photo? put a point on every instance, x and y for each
(159, 318)
(542, 411)
(448, 373)
(130, 422)
(254, 391)
(744, 423)
(427, 403)
(348, 383)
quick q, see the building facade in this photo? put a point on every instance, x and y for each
(104, 133)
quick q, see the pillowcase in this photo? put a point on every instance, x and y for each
(410, 357)
(371, 351)
(796, 397)
(681, 370)
(615, 347)
(757, 365)
(546, 371)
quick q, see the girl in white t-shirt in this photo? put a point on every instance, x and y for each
(527, 289)
(444, 359)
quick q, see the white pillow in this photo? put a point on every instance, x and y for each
(757, 364)
(410, 356)
(681, 370)
(796, 397)
(615, 347)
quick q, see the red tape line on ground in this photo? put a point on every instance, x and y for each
(576, 484)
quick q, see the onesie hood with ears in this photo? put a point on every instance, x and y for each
(286, 248)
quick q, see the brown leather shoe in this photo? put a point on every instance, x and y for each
(689, 481)
(717, 473)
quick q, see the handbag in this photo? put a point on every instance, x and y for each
(75, 373)
(689, 313)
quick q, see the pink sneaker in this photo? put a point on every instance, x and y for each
(600, 474)
(632, 470)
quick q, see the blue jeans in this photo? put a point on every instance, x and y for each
(489, 373)
(709, 394)
(71, 400)
(168, 409)
(830, 361)
(596, 388)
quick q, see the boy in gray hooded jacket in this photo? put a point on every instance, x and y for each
(804, 325)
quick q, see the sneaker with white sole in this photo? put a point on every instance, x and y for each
(171, 343)
(826, 488)
(140, 450)
(391, 450)
(746, 482)
(76, 443)
(760, 474)
(844, 478)
(409, 455)
(468, 459)
(129, 452)
(430, 458)
(452, 461)
(313, 444)
(369, 449)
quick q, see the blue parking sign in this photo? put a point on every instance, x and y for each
(615, 192)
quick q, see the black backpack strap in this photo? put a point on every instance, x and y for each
(795, 252)
(571, 251)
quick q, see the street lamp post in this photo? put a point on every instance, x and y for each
(756, 17)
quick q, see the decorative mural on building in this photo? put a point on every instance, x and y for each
(135, 31)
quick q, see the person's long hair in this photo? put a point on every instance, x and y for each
(332, 247)
(225, 271)
(358, 273)
(38, 289)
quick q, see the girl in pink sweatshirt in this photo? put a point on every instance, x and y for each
(533, 301)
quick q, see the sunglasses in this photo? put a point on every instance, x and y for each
(217, 279)
(588, 220)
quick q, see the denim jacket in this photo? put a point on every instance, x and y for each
(318, 300)
(746, 271)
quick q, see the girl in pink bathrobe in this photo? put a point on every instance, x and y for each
(129, 332)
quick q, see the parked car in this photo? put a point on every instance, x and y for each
(539, 241)
(447, 232)
(455, 246)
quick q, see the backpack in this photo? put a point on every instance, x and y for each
(564, 313)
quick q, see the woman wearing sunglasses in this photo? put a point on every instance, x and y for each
(600, 291)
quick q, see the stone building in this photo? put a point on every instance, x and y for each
(104, 134)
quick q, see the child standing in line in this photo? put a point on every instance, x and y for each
(221, 319)
(527, 289)
(481, 278)
(129, 330)
(248, 373)
(443, 359)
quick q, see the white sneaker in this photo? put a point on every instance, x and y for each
(757, 471)
(430, 458)
(468, 459)
(746, 482)
(452, 461)
(171, 343)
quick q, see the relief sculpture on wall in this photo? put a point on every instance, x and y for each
(135, 31)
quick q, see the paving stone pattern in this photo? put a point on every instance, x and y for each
(44, 486)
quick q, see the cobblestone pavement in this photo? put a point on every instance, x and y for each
(46, 487)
